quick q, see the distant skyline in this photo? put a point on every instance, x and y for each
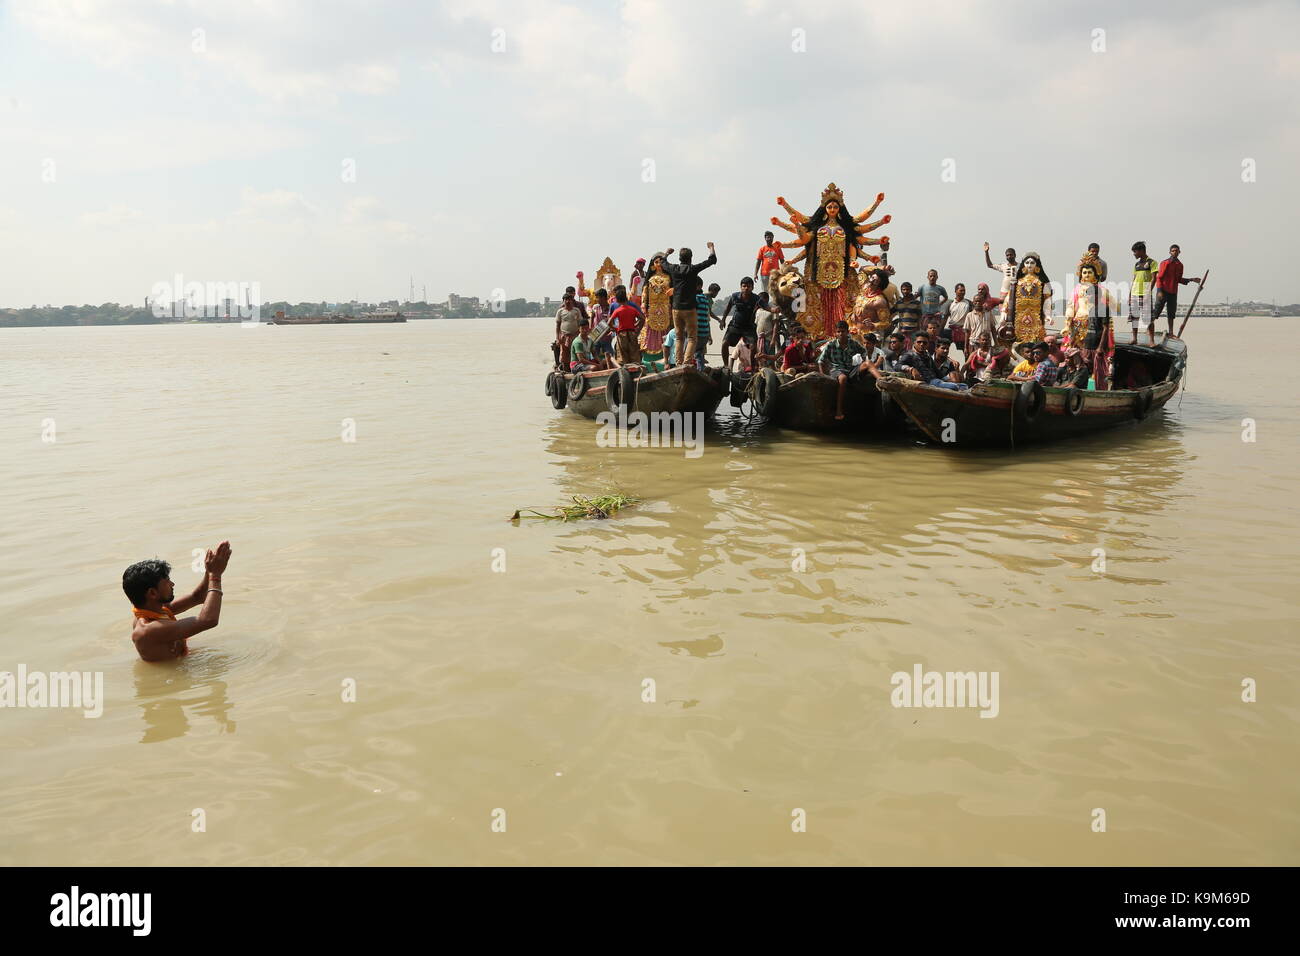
(333, 150)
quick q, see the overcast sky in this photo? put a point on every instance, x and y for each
(505, 145)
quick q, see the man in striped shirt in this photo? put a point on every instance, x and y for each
(703, 313)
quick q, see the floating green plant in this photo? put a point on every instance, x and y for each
(599, 508)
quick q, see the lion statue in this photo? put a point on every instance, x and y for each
(785, 294)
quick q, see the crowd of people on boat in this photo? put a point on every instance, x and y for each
(664, 315)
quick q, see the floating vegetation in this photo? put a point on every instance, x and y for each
(600, 507)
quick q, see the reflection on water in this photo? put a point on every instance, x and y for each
(169, 691)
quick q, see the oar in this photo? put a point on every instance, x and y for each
(1200, 287)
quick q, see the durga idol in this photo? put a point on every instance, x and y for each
(832, 240)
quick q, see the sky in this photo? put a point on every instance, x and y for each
(333, 150)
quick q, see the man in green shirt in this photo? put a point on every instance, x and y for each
(580, 357)
(1142, 292)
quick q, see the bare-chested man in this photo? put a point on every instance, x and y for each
(158, 636)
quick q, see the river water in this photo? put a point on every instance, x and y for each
(769, 588)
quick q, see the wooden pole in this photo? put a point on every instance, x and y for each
(1200, 287)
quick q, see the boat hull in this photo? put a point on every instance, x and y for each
(807, 403)
(986, 415)
(681, 389)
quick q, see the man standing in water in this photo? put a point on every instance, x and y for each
(683, 278)
(157, 634)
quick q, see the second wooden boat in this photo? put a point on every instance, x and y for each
(680, 389)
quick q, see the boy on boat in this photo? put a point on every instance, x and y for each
(703, 313)
(1007, 267)
(155, 631)
(628, 321)
(580, 355)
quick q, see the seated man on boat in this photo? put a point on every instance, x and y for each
(837, 361)
(799, 356)
(895, 348)
(1075, 372)
(1039, 366)
(949, 373)
(580, 354)
(628, 321)
(921, 365)
(983, 361)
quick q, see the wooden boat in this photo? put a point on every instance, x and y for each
(1011, 413)
(807, 403)
(366, 318)
(680, 389)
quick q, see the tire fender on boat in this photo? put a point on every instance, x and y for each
(577, 387)
(1029, 401)
(766, 392)
(550, 377)
(1074, 401)
(620, 390)
(1142, 403)
(559, 393)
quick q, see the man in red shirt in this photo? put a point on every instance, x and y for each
(770, 257)
(799, 356)
(627, 321)
(1168, 279)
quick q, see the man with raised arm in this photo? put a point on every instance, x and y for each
(684, 320)
(157, 634)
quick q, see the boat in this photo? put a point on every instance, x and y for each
(680, 389)
(1002, 412)
(365, 318)
(807, 403)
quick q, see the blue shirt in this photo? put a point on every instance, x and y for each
(931, 297)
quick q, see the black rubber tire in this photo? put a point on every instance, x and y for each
(1142, 403)
(577, 387)
(767, 392)
(1074, 402)
(559, 393)
(549, 377)
(620, 391)
(1030, 400)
